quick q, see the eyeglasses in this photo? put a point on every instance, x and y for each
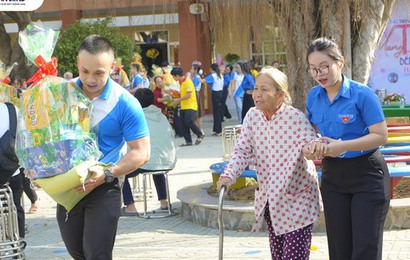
(324, 70)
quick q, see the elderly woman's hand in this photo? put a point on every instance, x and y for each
(315, 149)
(224, 181)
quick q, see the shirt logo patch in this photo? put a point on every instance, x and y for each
(346, 118)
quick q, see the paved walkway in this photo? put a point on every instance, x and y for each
(174, 237)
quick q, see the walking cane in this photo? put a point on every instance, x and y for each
(220, 222)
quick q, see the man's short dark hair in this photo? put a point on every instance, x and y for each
(145, 96)
(177, 71)
(96, 44)
(136, 66)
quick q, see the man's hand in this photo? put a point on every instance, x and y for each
(176, 101)
(96, 179)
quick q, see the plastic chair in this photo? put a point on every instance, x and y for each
(11, 245)
(156, 213)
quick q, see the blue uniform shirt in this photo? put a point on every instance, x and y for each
(136, 80)
(227, 79)
(248, 82)
(348, 116)
(215, 82)
(116, 117)
(197, 82)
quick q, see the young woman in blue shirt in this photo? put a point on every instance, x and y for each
(216, 83)
(196, 79)
(248, 84)
(228, 75)
(355, 181)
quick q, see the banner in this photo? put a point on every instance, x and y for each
(391, 67)
(20, 5)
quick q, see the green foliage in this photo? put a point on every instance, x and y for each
(71, 38)
(231, 58)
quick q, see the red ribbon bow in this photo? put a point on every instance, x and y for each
(6, 80)
(45, 68)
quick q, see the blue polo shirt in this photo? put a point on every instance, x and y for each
(248, 82)
(348, 116)
(116, 117)
(227, 79)
(197, 82)
(136, 80)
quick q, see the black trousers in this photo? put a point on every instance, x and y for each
(356, 197)
(178, 121)
(16, 185)
(188, 123)
(28, 190)
(159, 181)
(225, 110)
(217, 111)
(89, 229)
(247, 104)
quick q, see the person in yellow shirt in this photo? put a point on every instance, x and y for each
(189, 107)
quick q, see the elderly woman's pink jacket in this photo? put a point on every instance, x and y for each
(287, 180)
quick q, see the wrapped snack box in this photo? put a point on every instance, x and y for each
(55, 122)
(54, 134)
(54, 142)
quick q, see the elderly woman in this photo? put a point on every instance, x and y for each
(273, 135)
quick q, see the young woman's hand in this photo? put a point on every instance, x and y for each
(334, 147)
(315, 149)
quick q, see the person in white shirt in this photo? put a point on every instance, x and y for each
(216, 83)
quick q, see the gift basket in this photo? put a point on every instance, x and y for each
(54, 141)
(7, 92)
(171, 87)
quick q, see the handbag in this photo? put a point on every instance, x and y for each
(9, 163)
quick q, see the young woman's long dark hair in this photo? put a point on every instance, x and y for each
(244, 67)
(197, 68)
(215, 67)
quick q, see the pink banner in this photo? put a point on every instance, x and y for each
(391, 67)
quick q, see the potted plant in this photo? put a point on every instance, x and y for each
(393, 99)
(231, 58)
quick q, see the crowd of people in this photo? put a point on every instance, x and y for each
(227, 81)
(280, 140)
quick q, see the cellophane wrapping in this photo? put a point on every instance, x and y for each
(7, 93)
(54, 140)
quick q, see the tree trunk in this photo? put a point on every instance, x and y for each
(297, 22)
(5, 46)
(13, 53)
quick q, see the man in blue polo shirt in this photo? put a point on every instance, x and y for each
(89, 229)
(136, 79)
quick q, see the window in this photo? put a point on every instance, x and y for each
(270, 49)
(151, 37)
(159, 40)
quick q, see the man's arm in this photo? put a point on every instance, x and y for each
(132, 91)
(135, 84)
(138, 155)
(178, 100)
